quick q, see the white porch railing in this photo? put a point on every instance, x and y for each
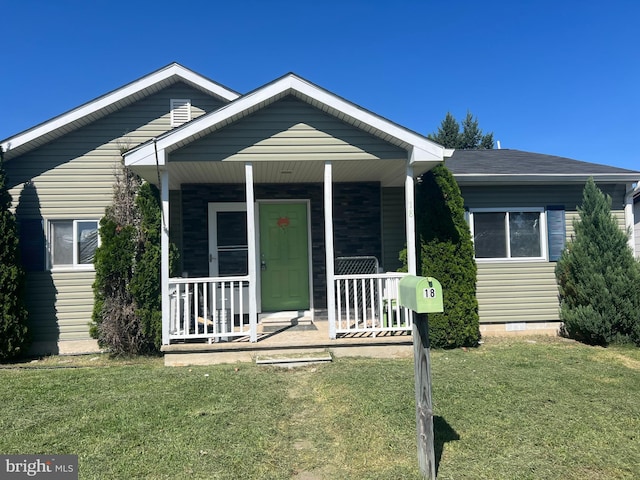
(211, 308)
(368, 303)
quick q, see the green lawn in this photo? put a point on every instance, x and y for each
(514, 409)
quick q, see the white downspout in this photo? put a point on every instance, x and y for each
(164, 255)
(329, 253)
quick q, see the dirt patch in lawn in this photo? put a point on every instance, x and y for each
(607, 355)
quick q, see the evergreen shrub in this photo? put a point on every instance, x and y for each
(598, 277)
(14, 333)
(127, 317)
(446, 253)
(146, 282)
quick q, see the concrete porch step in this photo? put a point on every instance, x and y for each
(280, 318)
(278, 322)
(293, 359)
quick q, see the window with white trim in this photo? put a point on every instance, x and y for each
(72, 243)
(509, 234)
(180, 111)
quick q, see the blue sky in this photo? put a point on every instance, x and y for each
(556, 77)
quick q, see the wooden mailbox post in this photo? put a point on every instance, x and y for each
(422, 295)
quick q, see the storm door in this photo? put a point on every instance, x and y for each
(228, 248)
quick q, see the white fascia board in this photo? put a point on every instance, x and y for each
(426, 150)
(114, 97)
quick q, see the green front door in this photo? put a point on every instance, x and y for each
(284, 256)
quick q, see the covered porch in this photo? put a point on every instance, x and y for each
(288, 202)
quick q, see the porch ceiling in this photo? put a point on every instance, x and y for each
(390, 173)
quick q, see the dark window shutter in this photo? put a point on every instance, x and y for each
(32, 244)
(556, 230)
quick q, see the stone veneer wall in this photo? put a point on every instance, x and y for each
(357, 222)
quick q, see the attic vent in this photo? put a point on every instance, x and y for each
(180, 111)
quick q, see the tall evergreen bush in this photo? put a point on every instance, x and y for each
(598, 277)
(127, 317)
(116, 324)
(14, 333)
(446, 253)
(146, 281)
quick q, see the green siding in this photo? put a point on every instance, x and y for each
(517, 292)
(72, 178)
(527, 291)
(393, 228)
(288, 130)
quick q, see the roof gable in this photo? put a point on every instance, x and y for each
(421, 148)
(110, 102)
(288, 130)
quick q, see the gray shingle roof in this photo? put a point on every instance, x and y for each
(504, 164)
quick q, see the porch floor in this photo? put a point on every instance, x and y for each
(296, 336)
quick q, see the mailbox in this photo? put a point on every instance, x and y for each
(420, 294)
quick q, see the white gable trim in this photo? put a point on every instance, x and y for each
(422, 148)
(96, 108)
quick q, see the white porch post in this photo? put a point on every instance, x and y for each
(410, 220)
(252, 253)
(164, 256)
(328, 241)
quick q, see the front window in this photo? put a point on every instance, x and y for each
(508, 234)
(72, 243)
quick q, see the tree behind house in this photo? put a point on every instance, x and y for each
(470, 138)
(598, 277)
(14, 334)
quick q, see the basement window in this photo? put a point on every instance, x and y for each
(180, 111)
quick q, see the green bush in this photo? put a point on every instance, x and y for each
(598, 277)
(146, 281)
(127, 316)
(446, 253)
(115, 323)
(14, 333)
